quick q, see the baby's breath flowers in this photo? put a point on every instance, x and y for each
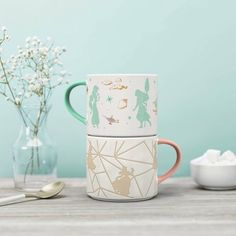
(32, 73)
(37, 68)
(29, 77)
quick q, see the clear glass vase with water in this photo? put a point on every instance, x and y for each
(34, 154)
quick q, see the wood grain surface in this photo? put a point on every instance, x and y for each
(179, 209)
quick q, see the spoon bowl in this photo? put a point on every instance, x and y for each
(48, 191)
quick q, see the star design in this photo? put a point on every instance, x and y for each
(109, 99)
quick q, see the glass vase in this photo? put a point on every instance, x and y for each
(34, 155)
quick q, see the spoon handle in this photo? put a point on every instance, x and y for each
(7, 200)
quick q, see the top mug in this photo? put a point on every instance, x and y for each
(119, 105)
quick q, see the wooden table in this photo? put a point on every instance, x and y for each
(180, 209)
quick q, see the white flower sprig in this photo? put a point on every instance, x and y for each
(4, 35)
(37, 68)
(29, 77)
(32, 73)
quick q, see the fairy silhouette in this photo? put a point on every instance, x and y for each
(122, 183)
(93, 99)
(90, 161)
(142, 97)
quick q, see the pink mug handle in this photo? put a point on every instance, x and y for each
(177, 162)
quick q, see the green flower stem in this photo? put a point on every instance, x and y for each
(12, 94)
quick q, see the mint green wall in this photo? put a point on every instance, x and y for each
(190, 44)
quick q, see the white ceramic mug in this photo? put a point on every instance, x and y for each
(125, 169)
(119, 105)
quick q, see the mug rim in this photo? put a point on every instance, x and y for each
(123, 137)
(122, 75)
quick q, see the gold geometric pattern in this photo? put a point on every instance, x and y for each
(120, 169)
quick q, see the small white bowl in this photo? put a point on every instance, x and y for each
(214, 177)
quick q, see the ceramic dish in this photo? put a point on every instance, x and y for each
(214, 177)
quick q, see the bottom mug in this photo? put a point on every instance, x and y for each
(125, 169)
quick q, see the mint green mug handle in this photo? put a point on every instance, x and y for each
(68, 104)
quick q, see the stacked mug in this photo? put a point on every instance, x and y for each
(122, 136)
